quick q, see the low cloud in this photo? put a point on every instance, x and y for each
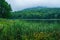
(22, 4)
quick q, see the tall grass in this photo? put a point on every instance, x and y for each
(28, 30)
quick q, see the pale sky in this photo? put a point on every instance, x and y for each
(22, 4)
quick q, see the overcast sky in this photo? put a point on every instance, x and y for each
(22, 4)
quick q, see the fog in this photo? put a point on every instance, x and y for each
(22, 4)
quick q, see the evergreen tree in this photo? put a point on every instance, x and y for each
(5, 9)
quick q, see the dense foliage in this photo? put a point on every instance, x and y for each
(28, 30)
(38, 13)
(5, 9)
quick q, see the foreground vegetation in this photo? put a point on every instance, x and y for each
(29, 30)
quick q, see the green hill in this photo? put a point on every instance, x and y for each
(37, 13)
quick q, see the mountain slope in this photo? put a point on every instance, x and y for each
(38, 13)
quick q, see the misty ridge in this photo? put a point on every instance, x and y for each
(17, 5)
(38, 13)
(46, 11)
(35, 9)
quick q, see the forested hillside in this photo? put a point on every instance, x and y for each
(37, 13)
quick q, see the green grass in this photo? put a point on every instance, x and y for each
(28, 30)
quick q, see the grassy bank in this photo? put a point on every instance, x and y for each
(28, 30)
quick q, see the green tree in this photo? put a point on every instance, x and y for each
(5, 9)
